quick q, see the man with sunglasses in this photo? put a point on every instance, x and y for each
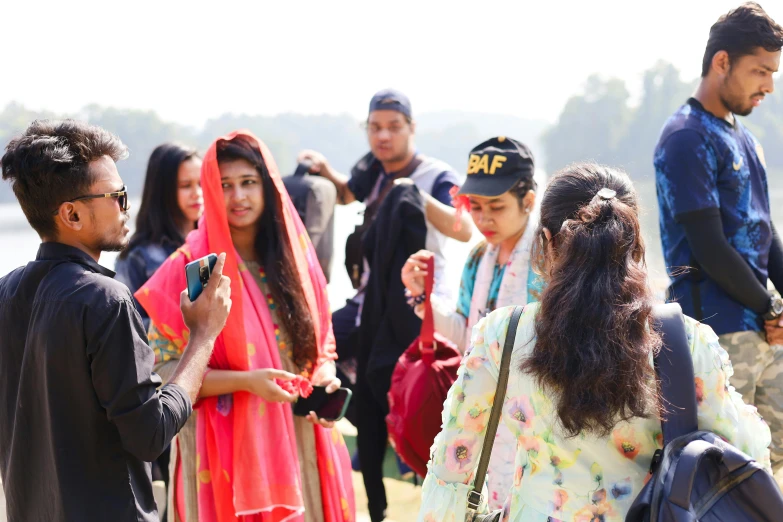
(81, 413)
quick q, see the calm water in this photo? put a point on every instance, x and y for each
(19, 244)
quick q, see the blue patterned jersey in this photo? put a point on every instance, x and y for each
(703, 162)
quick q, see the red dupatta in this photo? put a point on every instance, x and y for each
(247, 462)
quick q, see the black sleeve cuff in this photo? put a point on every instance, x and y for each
(174, 397)
(697, 215)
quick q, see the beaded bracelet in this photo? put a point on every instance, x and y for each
(413, 302)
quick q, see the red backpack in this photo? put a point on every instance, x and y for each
(419, 385)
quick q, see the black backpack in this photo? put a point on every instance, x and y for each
(354, 244)
(698, 476)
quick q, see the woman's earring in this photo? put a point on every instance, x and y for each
(527, 209)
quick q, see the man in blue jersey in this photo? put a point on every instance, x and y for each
(716, 229)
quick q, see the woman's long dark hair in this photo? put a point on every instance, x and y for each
(593, 343)
(160, 219)
(275, 253)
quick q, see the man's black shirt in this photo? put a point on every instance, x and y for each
(81, 414)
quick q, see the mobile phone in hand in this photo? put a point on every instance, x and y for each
(327, 406)
(197, 274)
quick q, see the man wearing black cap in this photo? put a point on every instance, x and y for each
(392, 160)
(390, 132)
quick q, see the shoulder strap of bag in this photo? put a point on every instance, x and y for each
(474, 497)
(427, 337)
(674, 367)
(302, 168)
(410, 168)
(372, 208)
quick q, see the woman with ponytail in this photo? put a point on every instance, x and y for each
(582, 397)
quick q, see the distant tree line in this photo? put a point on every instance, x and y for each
(448, 136)
(600, 123)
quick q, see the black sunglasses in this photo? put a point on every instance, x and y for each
(122, 198)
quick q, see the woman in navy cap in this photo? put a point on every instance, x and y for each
(500, 195)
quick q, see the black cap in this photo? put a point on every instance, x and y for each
(391, 100)
(496, 166)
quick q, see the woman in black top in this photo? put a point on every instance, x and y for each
(171, 204)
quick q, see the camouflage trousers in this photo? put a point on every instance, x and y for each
(758, 377)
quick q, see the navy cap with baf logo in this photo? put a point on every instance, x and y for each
(496, 166)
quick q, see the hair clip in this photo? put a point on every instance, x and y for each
(606, 194)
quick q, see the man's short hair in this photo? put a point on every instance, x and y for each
(740, 32)
(49, 164)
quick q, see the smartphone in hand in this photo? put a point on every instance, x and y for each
(197, 274)
(327, 406)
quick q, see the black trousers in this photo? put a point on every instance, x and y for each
(373, 436)
(367, 410)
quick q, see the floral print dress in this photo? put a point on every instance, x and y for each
(579, 479)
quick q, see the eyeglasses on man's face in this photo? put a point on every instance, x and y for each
(394, 128)
(121, 195)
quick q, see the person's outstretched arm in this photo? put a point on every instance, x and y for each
(121, 363)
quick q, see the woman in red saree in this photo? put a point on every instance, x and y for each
(244, 456)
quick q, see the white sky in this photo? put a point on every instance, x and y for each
(193, 60)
